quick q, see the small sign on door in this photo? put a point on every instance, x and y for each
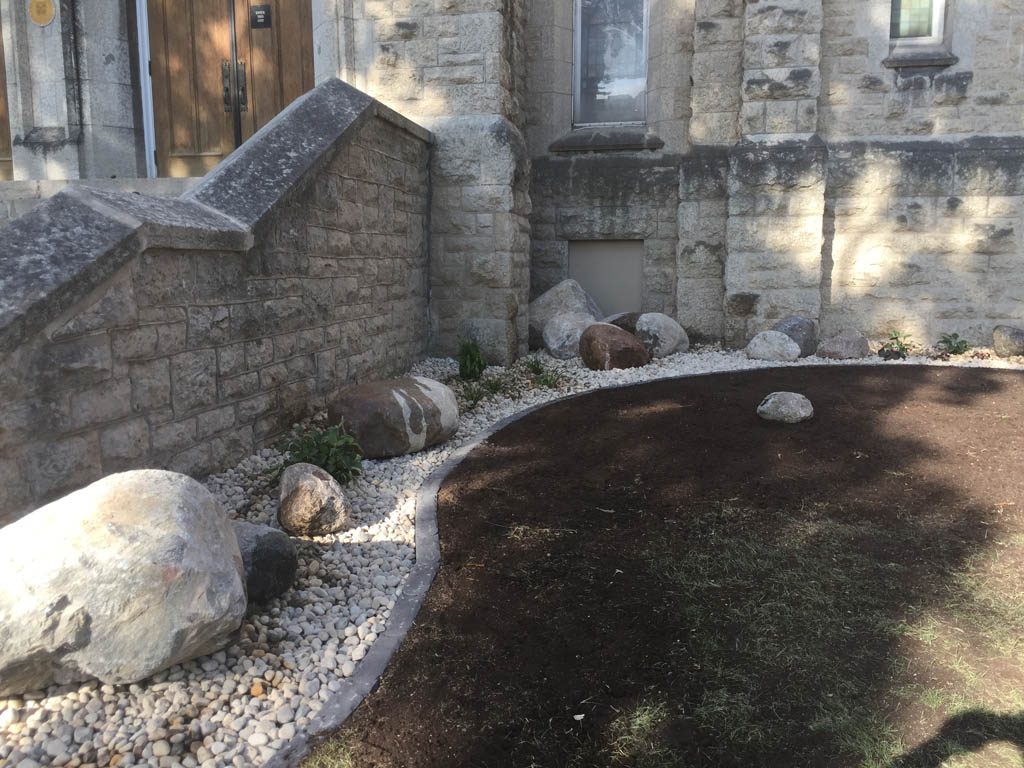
(259, 17)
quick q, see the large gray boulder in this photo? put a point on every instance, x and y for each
(802, 330)
(126, 577)
(660, 334)
(568, 296)
(605, 347)
(397, 416)
(562, 334)
(312, 502)
(786, 407)
(773, 345)
(846, 345)
(1008, 341)
(269, 559)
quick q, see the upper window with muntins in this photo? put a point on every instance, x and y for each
(610, 62)
(918, 21)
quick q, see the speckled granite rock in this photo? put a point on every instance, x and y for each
(567, 296)
(312, 502)
(660, 334)
(1008, 341)
(786, 407)
(126, 577)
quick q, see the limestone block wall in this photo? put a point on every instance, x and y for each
(926, 237)
(703, 217)
(781, 79)
(600, 197)
(864, 96)
(458, 67)
(183, 333)
(717, 71)
(773, 235)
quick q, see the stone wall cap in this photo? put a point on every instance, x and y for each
(55, 254)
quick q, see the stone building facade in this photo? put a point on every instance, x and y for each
(782, 156)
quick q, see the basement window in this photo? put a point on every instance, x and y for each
(610, 62)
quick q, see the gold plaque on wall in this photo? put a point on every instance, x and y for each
(41, 11)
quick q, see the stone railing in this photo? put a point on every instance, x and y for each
(183, 333)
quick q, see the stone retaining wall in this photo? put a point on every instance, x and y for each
(183, 333)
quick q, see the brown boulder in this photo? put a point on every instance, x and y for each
(604, 347)
(624, 320)
(397, 416)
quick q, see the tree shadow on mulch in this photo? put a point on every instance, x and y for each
(965, 733)
(653, 576)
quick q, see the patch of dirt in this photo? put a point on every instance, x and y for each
(655, 576)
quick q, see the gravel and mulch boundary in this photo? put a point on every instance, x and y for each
(303, 661)
(652, 576)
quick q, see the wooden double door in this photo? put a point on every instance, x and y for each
(221, 69)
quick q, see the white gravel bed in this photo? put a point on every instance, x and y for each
(241, 705)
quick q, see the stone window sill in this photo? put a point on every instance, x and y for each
(926, 58)
(607, 139)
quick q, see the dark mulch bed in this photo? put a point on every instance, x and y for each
(654, 576)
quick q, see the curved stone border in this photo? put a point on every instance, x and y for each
(428, 560)
(364, 681)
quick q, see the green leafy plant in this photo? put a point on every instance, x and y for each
(331, 449)
(471, 361)
(952, 344)
(897, 347)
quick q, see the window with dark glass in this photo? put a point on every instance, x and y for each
(610, 62)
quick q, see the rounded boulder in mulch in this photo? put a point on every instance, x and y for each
(397, 416)
(655, 576)
(604, 347)
(786, 407)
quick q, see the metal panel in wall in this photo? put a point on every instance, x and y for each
(611, 271)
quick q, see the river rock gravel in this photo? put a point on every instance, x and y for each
(239, 706)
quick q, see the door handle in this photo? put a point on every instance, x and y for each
(225, 81)
(243, 91)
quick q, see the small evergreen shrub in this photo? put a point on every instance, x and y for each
(471, 361)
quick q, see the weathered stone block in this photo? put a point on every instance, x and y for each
(194, 380)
